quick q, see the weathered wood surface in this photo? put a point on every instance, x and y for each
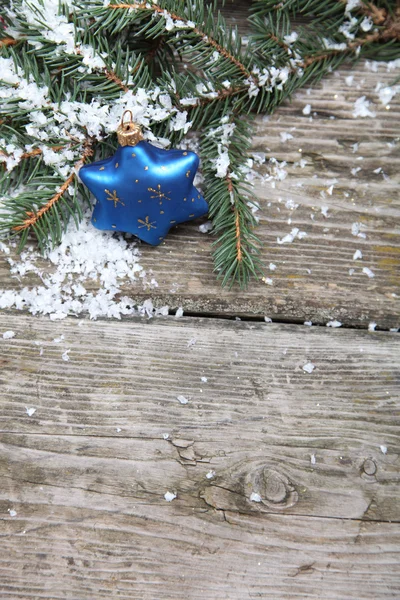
(88, 547)
(82, 508)
(312, 280)
(87, 472)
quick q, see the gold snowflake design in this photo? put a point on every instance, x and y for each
(147, 224)
(158, 193)
(114, 198)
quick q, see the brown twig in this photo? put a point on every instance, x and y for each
(238, 237)
(238, 233)
(391, 31)
(32, 217)
(377, 15)
(34, 152)
(8, 41)
(279, 41)
(157, 9)
(114, 77)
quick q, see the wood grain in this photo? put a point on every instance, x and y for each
(62, 551)
(87, 472)
(82, 508)
(312, 280)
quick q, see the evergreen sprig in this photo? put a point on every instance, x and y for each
(69, 69)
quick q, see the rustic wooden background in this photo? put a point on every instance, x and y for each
(86, 474)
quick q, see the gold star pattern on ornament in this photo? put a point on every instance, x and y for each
(158, 193)
(147, 224)
(114, 198)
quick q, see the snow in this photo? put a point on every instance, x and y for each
(169, 496)
(58, 316)
(182, 399)
(179, 122)
(223, 133)
(7, 335)
(356, 230)
(290, 237)
(331, 45)
(334, 324)
(368, 272)
(290, 39)
(366, 24)
(309, 367)
(85, 257)
(255, 497)
(386, 94)
(291, 204)
(30, 411)
(59, 339)
(285, 137)
(7, 70)
(361, 108)
(351, 5)
(205, 227)
(65, 356)
(273, 77)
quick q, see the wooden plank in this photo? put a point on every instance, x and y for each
(257, 420)
(312, 280)
(62, 549)
(86, 474)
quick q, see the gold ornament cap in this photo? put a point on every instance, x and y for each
(129, 133)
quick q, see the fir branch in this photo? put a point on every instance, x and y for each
(106, 53)
(156, 9)
(224, 148)
(33, 218)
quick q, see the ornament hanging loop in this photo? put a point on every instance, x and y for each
(123, 117)
(129, 133)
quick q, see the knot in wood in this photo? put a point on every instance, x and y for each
(274, 487)
(369, 466)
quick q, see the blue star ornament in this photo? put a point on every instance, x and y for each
(144, 190)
